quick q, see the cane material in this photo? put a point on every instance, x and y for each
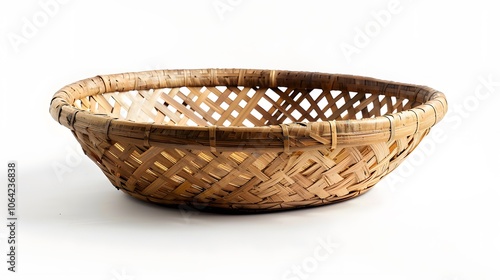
(241, 139)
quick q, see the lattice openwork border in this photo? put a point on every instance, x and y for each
(240, 106)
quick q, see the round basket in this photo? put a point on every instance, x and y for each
(246, 140)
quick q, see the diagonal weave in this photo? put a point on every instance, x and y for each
(241, 139)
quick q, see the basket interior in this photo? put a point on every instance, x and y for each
(241, 106)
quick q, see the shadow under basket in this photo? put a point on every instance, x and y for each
(246, 140)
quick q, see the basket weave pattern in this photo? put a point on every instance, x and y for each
(240, 139)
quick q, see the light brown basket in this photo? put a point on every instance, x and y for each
(240, 139)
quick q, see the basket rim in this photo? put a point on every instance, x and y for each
(284, 137)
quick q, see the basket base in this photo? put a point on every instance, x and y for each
(186, 206)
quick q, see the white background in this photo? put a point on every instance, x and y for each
(435, 217)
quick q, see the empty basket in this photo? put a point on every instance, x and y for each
(246, 140)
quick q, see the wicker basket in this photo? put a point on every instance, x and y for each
(246, 140)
